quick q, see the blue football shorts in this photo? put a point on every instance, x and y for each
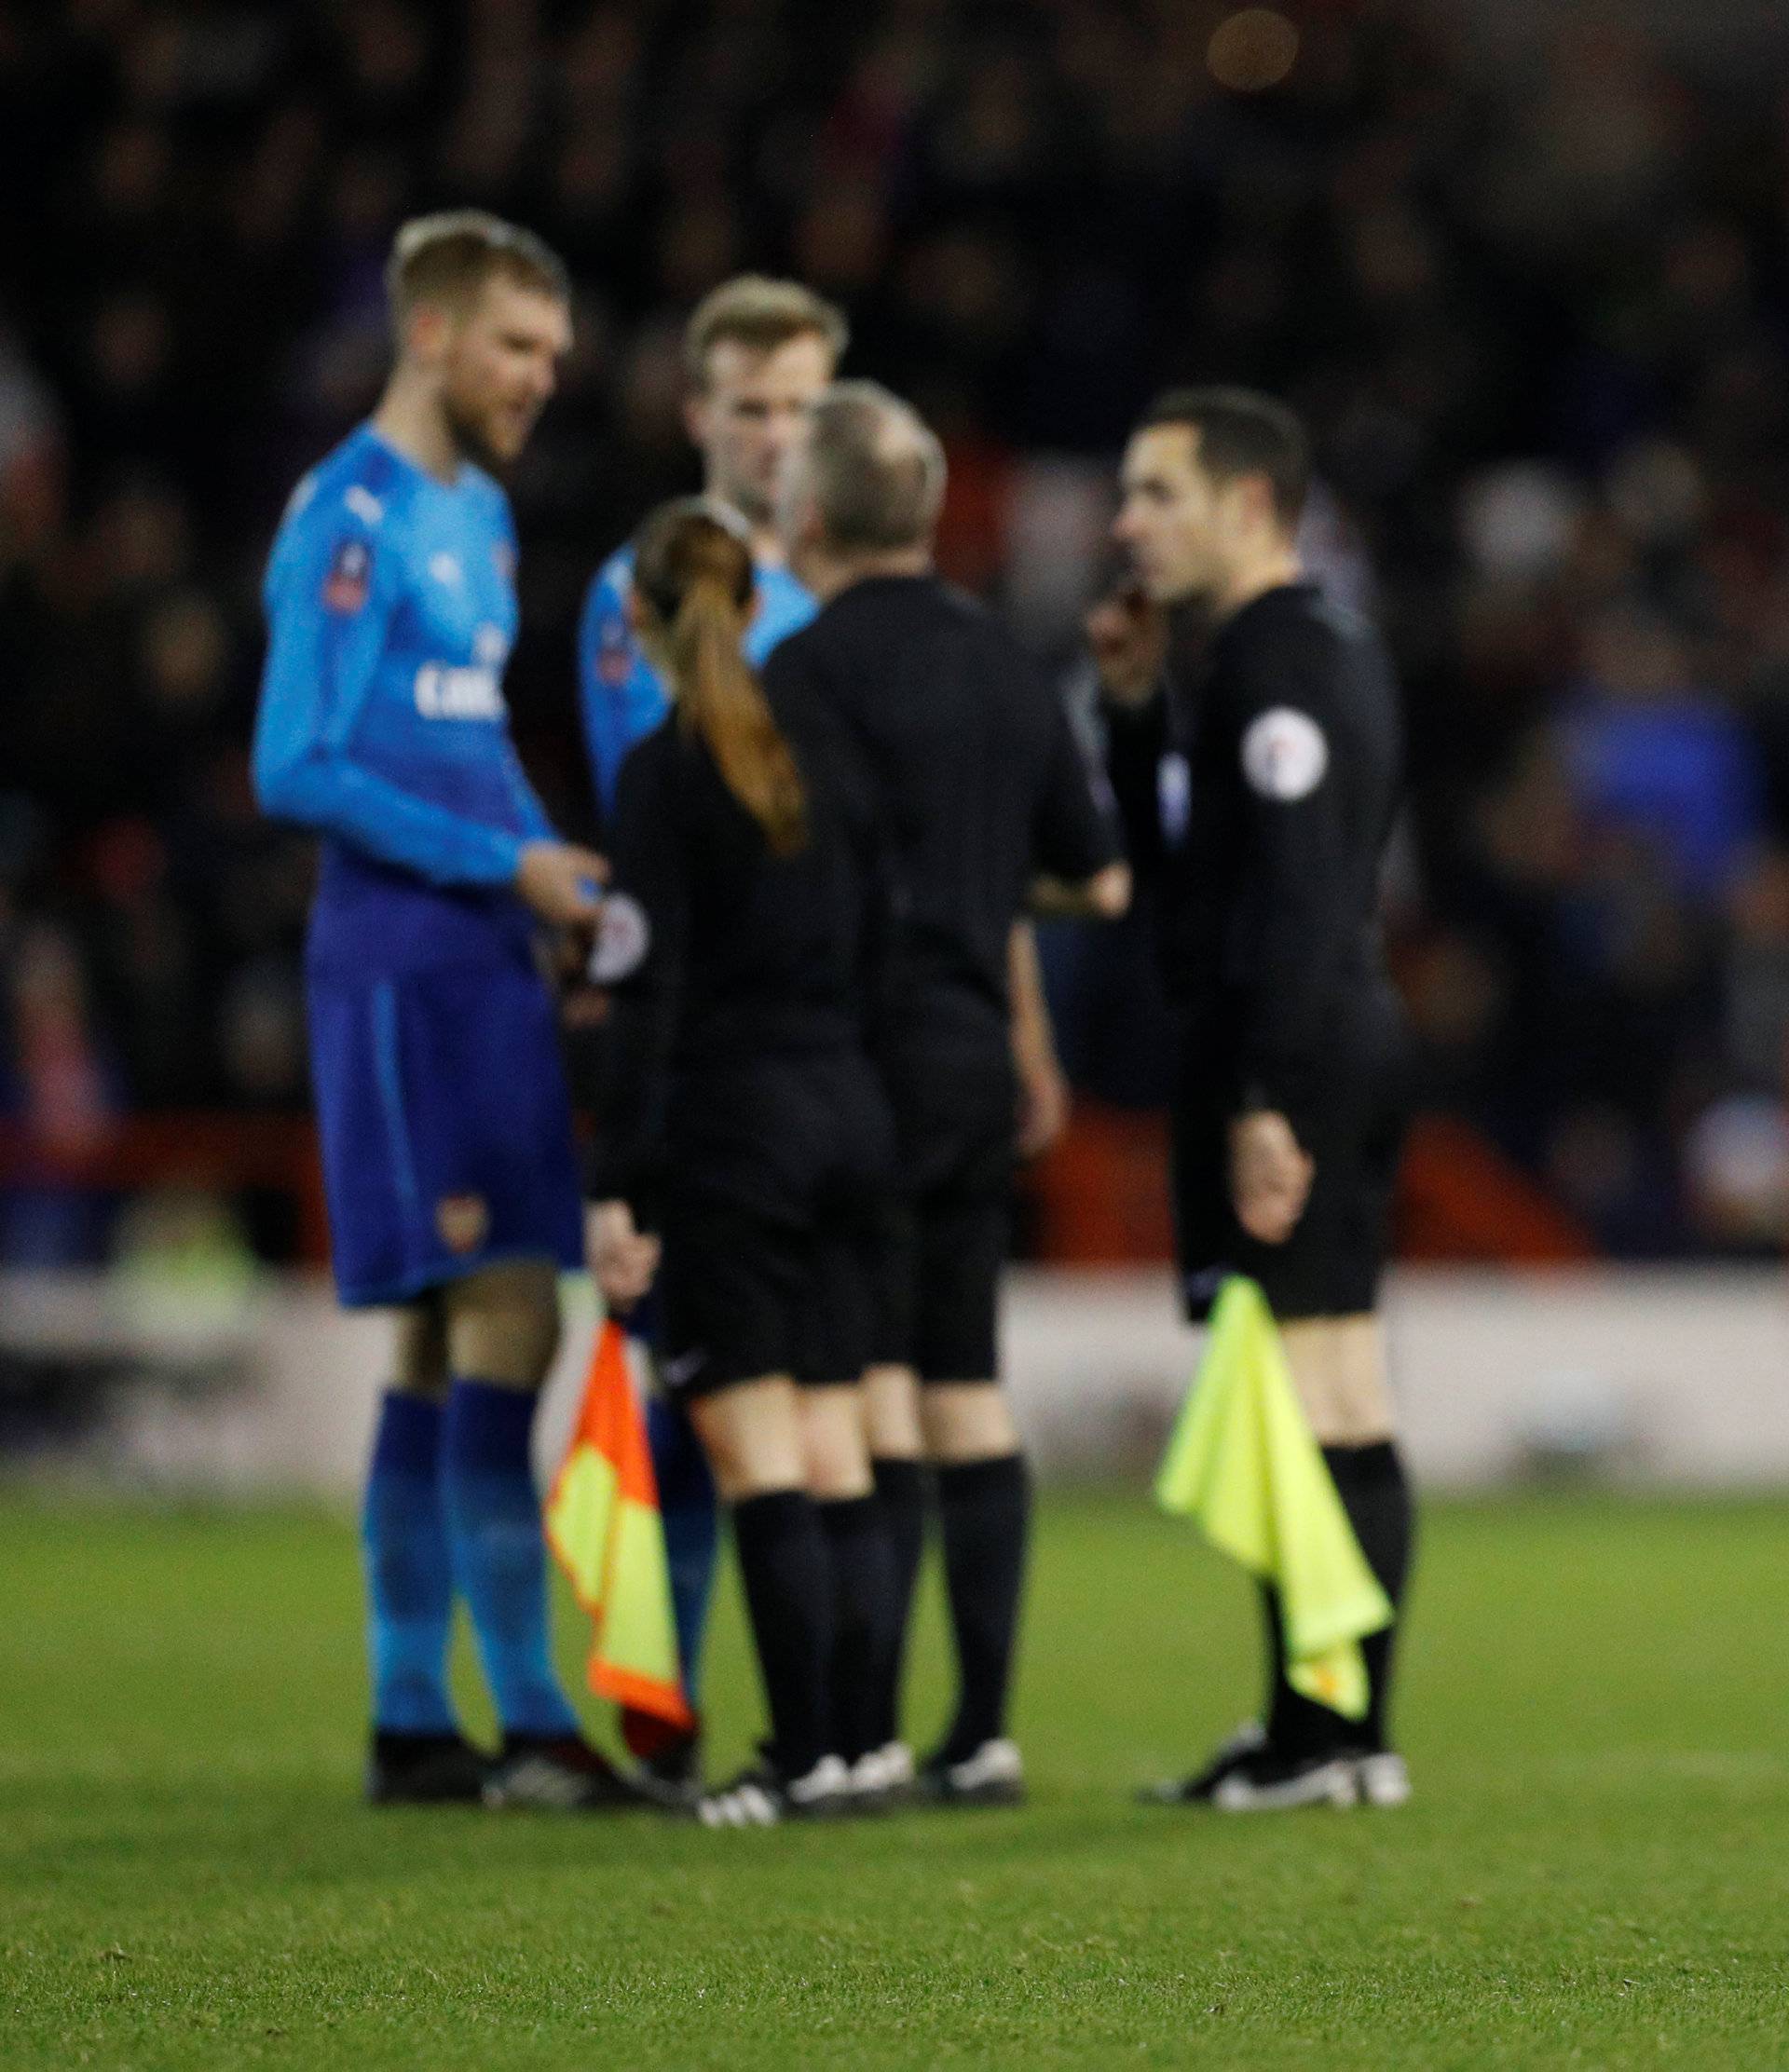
(445, 1125)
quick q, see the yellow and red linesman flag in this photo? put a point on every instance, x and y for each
(603, 1523)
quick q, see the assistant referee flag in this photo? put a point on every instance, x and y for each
(1243, 1465)
(603, 1523)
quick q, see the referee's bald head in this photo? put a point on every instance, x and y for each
(869, 478)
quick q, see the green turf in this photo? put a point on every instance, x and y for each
(1596, 1873)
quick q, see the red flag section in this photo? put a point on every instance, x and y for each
(603, 1524)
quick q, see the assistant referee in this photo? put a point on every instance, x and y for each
(1258, 782)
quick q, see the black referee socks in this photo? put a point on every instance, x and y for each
(900, 1490)
(862, 1604)
(788, 1595)
(984, 1511)
(1376, 1493)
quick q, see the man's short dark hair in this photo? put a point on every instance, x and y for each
(1243, 433)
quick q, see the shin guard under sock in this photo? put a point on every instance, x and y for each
(1376, 1493)
(788, 1595)
(900, 1492)
(409, 1570)
(863, 1597)
(984, 1515)
(500, 1553)
(1298, 1727)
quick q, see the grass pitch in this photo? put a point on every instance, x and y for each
(1595, 1872)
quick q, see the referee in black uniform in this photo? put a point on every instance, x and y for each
(1258, 779)
(743, 1126)
(989, 812)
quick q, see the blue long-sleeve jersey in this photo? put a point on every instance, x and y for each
(392, 610)
(620, 691)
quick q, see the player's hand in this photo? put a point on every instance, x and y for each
(583, 1007)
(569, 952)
(1128, 636)
(1270, 1176)
(624, 1261)
(1044, 1102)
(561, 882)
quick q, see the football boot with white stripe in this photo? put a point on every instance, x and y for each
(884, 1779)
(562, 1774)
(764, 1796)
(1270, 1783)
(992, 1775)
(1249, 1739)
(1382, 1779)
(1247, 1775)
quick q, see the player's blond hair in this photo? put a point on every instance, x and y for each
(761, 314)
(446, 259)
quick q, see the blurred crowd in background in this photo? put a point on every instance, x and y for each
(1534, 307)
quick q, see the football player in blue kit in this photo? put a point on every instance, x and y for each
(756, 352)
(442, 1105)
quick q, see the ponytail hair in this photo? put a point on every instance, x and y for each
(693, 572)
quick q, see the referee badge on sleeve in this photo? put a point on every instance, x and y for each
(624, 936)
(1285, 755)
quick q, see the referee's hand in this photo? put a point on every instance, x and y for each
(562, 883)
(1128, 636)
(1270, 1176)
(1043, 1103)
(623, 1260)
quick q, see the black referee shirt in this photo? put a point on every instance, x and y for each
(982, 785)
(724, 954)
(1258, 794)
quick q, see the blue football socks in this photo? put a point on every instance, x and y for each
(409, 1570)
(500, 1552)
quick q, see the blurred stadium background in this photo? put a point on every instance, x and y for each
(1524, 268)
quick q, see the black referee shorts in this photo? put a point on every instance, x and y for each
(1333, 1262)
(772, 1221)
(949, 1226)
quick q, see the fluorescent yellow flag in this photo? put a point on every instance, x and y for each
(1243, 1465)
(602, 1521)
